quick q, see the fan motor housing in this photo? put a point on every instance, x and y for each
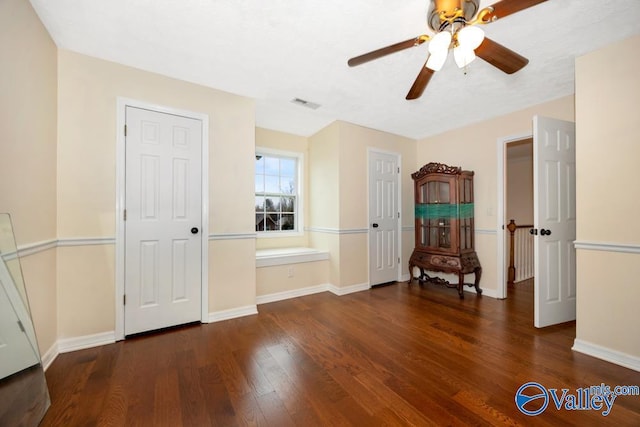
(446, 11)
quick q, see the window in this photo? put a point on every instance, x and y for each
(277, 185)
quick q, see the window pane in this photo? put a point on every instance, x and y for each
(288, 204)
(259, 164)
(272, 204)
(287, 222)
(259, 183)
(276, 192)
(271, 165)
(259, 204)
(259, 222)
(272, 184)
(287, 185)
(271, 222)
(288, 167)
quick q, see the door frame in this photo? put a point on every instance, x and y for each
(121, 105)
(501, 145)
(398, 157)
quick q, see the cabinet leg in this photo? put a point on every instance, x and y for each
(461, 285)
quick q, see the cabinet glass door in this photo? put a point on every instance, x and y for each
(435, 210)
(466, 213)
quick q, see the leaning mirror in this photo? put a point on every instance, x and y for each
(24, 397)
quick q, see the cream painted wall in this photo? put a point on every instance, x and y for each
(28, 77)
(474, 148)
(608, 196)
(88, 89)
(338, 157)
(299, 144)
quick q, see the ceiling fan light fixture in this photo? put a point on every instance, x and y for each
(470, 37)
(439, 44)
(436, 60)
(463, 56)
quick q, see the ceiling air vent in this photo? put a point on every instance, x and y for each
(304, 103)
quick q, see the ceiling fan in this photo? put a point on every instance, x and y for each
(455, 28)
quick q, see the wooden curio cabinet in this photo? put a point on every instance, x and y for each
(444, 239)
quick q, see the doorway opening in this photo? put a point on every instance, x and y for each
(518, 190)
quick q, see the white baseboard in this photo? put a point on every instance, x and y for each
(66, 345)
(405, 277)
(49, 356)
(218, 316)
(492, 293)
(348, 289)
(604, 353)
(281, 296)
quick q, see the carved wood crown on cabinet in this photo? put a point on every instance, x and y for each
(444, 226)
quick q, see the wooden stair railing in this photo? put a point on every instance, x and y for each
(512, 227)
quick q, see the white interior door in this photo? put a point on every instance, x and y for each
(16, 351)
(383, 218)
(163, 202)
(554, 220)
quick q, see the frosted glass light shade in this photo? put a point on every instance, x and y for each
(437, 60)
(470, 37)
(463, 57)
(439, 44)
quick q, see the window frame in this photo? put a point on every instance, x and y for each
(299, 211)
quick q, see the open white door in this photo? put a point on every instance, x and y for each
(554, 152)
(383, 218)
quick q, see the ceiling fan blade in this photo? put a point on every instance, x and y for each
(420, 84)
(379, 53)
(501, 57)
(508, 7)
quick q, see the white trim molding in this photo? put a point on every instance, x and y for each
(486, 231)
(607, 354)
(607, 247)
(295, 293)
(345, 290)
(337, 230)
(49, 356)
(232, 236)
(66, 345)
(37, 247)
(408, 228)
(272, 257)
(86, 241)
(218, 316)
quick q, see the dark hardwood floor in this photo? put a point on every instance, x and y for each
(394, 355)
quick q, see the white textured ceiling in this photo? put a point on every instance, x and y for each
(277, 50)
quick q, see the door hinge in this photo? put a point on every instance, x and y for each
(124, 299)
(125, 130)
(398, 214)
(398, 169)
(398, 260)
(21, 326)
(124, 215)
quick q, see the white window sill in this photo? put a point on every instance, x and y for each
(284, 256)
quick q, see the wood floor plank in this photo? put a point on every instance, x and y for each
(395, 355)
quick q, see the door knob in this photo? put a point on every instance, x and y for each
(194, 230)
(544, 232)
(374, 225)
(533, 231)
